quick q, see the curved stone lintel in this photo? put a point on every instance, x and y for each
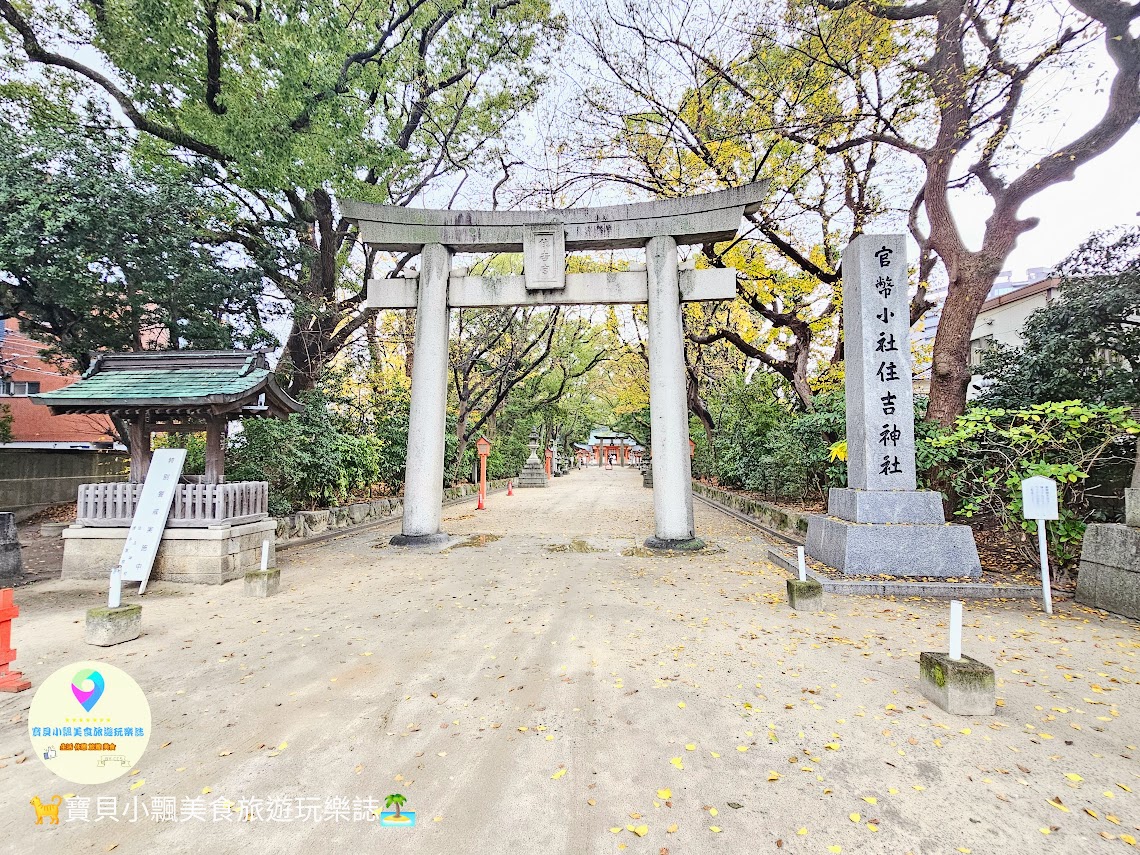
(689, 220)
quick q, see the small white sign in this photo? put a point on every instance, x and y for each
(1039, 498)
(150, 515)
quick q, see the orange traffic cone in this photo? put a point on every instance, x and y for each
(510, 491)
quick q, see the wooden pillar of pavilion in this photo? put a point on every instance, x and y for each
(215, 450)
(138, 433)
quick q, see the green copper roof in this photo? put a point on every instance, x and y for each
(172, 380)
(189, 383)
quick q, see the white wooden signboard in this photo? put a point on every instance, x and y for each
(1039, 498)
(150, 515)
(1039, 502)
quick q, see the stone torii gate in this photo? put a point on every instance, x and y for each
(544, 238)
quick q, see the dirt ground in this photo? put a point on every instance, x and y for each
(550, 688)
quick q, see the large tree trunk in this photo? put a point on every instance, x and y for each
(950, 372)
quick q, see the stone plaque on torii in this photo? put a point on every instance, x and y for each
(879, 523)
(544, 237)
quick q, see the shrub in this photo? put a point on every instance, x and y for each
(983, 459)
(306, 459)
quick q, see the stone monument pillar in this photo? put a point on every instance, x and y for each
(11, 562)
(1109, 576)
(668, 407)
(427, 421)
(533, 472)
(879, 523)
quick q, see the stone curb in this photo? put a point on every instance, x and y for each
(947, 590)
(498, 486)
(787, 521)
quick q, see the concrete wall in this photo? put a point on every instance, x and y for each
(32, 478)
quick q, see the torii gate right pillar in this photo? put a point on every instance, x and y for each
(668, 404)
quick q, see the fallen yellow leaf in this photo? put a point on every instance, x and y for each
(871, 800)
(1074, 777)
(138, 783)
(834, 850)
(558, 774)
(672, 829)
(715, 829)
(676, 761)
(854, 817)
(641, 830)
(802, 832)
(664, 794)
(773, 776)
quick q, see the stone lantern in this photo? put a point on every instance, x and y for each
(534, 472)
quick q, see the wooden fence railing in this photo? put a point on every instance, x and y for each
(194, 505)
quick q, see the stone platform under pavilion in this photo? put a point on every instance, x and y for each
(216, 528)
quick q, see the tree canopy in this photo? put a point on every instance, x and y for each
(102, 250)
(1084, 345)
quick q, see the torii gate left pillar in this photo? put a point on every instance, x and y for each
(544, 237)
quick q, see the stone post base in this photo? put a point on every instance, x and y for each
(1109, 576)
(262, 583)
(113, 626)
(806, 595)
(205, 555)
(962, 687)
(894, 533)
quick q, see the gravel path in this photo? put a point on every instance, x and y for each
(535, 690)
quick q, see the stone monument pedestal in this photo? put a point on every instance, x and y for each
(1109, 576)
(211, 556)
(533, 474)
(899, 533)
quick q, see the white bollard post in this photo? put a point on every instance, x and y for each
(803, 563)
(1046, 590)
(264, 555)
(955, 630)
(115, 594)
